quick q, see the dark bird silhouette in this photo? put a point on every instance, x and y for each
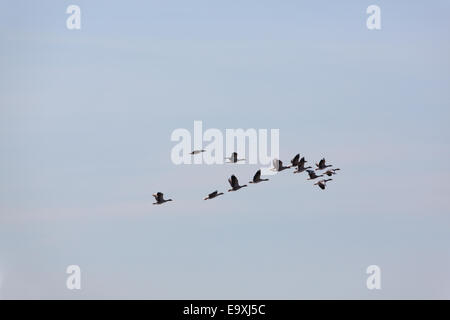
(212, 195)
(159, 197)
(197, 151)
(234, 183)
(278, 165)
(321, 165)
(312, 175)
(294, 161)
(322, 183)
(257, 177)
(330, 172)
(301, 166)
(234, 158)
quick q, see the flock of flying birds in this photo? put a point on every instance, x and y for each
(297, 162)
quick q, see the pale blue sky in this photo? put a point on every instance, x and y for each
(85, 125)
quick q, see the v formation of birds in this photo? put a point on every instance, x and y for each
(296, 162)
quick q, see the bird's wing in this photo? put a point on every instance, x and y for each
(257, 175)
(212, 194)
(230, 181)
(234, 181)
(322, 186)
(295, 160)
(277, 163)
(160, 196)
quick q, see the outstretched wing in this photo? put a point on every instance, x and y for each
(302, 161)
(295, 160)
(322, 185)
(277, 164)
(159, 196)
(212, 194)
(234, 181)
(257, 175)
(322, 162)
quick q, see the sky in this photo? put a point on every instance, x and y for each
(85, 123)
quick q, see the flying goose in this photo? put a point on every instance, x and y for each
(294, 161)
(321, 165)
(278, 165)
(213, 195)
(322, 183)
(312, 175)
(257, 177)
(234, 183)
(197, 151)
(301, 166)
(159, 197)
(234, 158)
(330, 172)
